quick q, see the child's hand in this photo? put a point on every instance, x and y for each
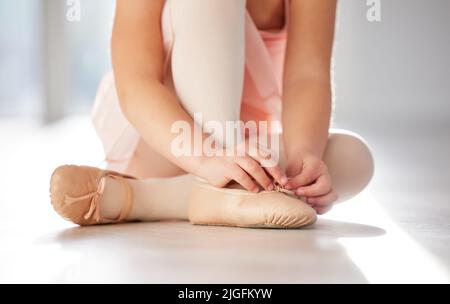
(309, 177)
(244, 168)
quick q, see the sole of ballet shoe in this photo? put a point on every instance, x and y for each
(211, 206)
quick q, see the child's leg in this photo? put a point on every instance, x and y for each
(147, 163)
(349, 162)
(208, 59)
(207, 69)
(208, 72)
(153, 199)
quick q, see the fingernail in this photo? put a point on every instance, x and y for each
(308, 201)
(256, 190)
(270, 188)
(283, 180)
(288, 187)
(300, 192)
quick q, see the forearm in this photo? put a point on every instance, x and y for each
(152, 109)
(306, 118)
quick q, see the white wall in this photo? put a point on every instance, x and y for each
(394, 73)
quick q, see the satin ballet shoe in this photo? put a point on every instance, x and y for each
(75, 193)
(280, 208)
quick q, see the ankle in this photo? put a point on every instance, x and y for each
(112, 199)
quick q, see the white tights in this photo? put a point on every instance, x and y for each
(208, 72)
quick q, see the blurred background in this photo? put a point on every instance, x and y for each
(392, 86)
(384, 71)
(51, 64)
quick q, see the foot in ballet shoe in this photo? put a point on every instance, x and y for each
(280, 208)
(75, 193)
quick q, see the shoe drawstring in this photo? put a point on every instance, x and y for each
(94, 208)
(279, 188)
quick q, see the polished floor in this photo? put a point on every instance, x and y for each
(397, 231)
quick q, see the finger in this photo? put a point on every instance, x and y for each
(274, 170)
(254, 169)
(324, 200)
(277, 175)
(242, 178)
(323, 210)
(310, 172)
(320, 187)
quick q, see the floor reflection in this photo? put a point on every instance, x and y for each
(358, 242)
(180, 253)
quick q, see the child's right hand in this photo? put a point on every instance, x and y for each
(247, 170)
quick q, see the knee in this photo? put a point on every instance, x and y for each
(353, 154)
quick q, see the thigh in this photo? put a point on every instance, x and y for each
(146, 163)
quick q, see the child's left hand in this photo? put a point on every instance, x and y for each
(309, 178)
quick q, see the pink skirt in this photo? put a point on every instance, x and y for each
(261, 101)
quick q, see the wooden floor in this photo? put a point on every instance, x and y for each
(396, 231)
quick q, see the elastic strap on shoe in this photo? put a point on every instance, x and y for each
(94, 208)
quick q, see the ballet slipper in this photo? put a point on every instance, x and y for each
(280, 208)
(75, 193)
